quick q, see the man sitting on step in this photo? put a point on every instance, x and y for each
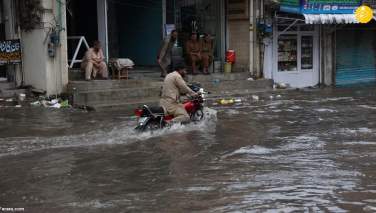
(94, 63)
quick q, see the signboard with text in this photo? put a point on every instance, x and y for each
(290, 6)
(329, 6)
(10, 52)
(371, 3)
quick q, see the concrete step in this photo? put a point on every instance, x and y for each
(6, 85)
(136, 74)
(9, 93)
(127, 107)
(97, 97)
(80, 86)
(226, 87)
(218, 77)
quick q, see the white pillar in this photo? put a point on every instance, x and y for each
(9, 18)
(102, 25)
(251, 36)
(46, 73)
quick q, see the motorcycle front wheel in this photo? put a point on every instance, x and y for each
(198, 115)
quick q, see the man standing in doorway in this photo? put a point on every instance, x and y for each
(93, 62)
(165, 54)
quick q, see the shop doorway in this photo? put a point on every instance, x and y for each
(204, 16)
(137, 29)
(81, 21)
(296, 52)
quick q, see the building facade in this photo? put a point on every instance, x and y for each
(39, 26)
(318, 42)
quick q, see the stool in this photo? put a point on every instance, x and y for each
(122, 73)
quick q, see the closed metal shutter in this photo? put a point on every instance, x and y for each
(355, 57)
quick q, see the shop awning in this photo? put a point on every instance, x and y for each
(330, 19)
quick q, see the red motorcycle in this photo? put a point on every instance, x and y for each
(154, 118)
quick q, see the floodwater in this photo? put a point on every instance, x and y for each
(306, 151)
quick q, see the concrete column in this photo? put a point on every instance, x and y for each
(164, 10)
(9, 19)
(252, 28)
(49, 74)
(327, 56)
(103, 25)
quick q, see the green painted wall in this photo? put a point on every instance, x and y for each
(140, 30)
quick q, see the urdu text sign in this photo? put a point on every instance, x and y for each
(329, 6)
(10, 52)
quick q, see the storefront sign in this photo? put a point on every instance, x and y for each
(321, 6)
(290, 6)
(10, 52)
(329, 6)
(371, 3)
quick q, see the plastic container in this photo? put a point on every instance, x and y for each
(230, 56)
(228, 67)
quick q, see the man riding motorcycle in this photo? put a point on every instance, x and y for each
(174, 86)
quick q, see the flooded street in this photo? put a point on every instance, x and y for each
(306, 151)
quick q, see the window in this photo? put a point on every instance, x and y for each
(287, 53)
(307, 53)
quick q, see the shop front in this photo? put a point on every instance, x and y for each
(301, 53)
(355, 55)
(295, 53)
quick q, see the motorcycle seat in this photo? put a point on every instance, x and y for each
(157, 110)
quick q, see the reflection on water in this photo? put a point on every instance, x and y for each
(309, 151)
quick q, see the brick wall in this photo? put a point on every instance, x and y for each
(239, 41)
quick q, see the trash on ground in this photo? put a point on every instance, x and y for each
(54, 103)
(255, 97)
(9, 100)
(64, 104)
(21, 96)
(278, 96)
(281, 86)
(250, 79)
(216, 81)
(36, 103)
(57, 106)
(229, 101)
(18, 106)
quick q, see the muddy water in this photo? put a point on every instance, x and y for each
(306, 151)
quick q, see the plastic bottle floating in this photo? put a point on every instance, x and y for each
(229, 101)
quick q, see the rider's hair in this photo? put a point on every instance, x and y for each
(179, 65)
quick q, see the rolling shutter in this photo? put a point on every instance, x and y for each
(355, 57)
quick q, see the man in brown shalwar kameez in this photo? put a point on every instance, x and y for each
(206, 52)
(93, 62)
(174, 86)
(164, 57)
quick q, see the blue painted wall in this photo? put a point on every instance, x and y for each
(140, 30)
